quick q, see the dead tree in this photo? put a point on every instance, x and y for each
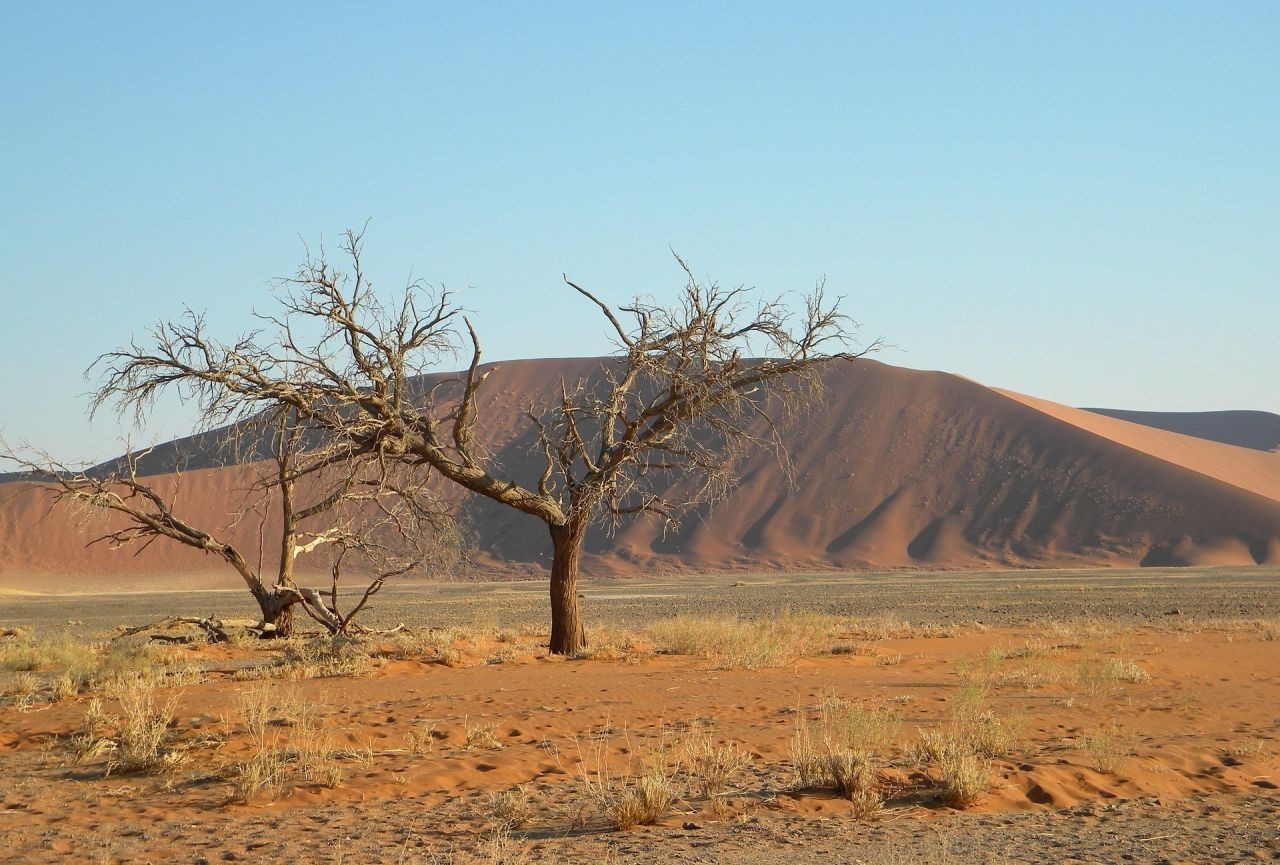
(691, 386)
(357, 509)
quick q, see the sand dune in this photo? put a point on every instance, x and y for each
(1259, 430)
(895, 468)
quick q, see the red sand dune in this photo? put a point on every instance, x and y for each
(895, 468)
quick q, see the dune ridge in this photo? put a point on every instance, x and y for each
(893, 468)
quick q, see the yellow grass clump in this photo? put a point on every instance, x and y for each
(749, 645)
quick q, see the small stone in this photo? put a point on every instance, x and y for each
(689, 825)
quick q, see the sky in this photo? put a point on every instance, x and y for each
(1076, 200)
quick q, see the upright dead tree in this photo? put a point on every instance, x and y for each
(323, 499)
(690, 387)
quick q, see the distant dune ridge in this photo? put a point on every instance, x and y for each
(1259, 430)
(893, 468)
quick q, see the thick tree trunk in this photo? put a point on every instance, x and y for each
(567, 634)
(277, 610)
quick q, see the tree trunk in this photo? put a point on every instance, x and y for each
(567, 634)
(277, 610)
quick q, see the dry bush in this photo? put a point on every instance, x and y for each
(750, 645)
(507, 653)
(808, 756)
(866, 729)
(73, 666)
(644, 801)
(609, 644)
(54, 654)
(26, 690)
(963, 773)
(1034, 674)
(498, 847)
(65, 687)
(1123, 670)
(929, 746)
(24, 687)
(883, 627)
(434, 641)
(1036, 648)
(856, 649)
(1269, 629)
(305, 752)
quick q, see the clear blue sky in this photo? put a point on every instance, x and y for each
(1076, 200)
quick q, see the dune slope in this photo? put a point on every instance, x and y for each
(894, 468)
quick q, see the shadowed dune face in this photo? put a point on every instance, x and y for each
(1259, 430)
(891, 468)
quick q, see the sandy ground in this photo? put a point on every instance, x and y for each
(1140, 729)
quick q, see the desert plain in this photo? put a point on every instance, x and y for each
(1099, 715)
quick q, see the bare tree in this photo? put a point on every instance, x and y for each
(327, 498)
(690, 388)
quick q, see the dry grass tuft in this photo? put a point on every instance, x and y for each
(326, 657)
(480, 737)
(1098, 676)
(712, 765)
(965, 777)
(264, 772)
(638, 796)
(987, 734)
(143, 741)
(737, 644)
(845, 749)
(288, 739)
(511, 808)
(421, 738)
(1110, 747)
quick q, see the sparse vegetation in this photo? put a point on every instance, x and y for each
(479, 737)
(639, 795)
(845, 749)
(712, 765)
(963, 774)
(511, 808)
(1109, 747)
(737, 644)
(144, 740)
(421, 737)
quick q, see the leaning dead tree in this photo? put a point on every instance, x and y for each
(691, 387)
(324, 500)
